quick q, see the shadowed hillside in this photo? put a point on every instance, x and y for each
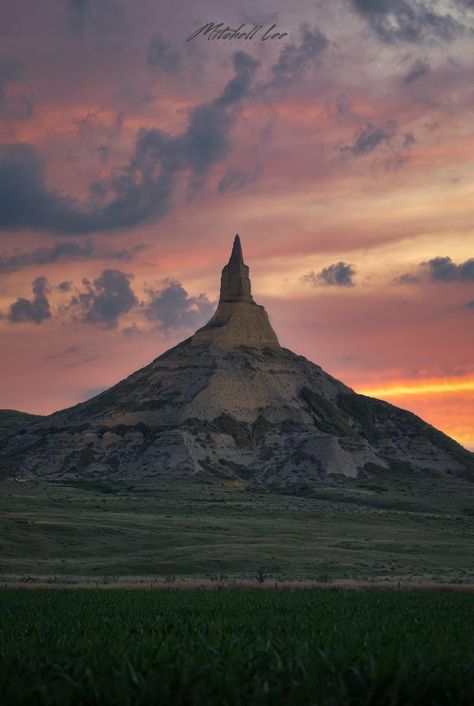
(12, 421)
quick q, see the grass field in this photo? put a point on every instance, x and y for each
(235, 648)
(397, 528)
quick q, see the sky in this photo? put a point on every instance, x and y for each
(342, 153)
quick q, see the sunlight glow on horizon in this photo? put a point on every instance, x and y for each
(435, 387)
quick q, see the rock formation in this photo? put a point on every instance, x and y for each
(238, 319)
(231, 402)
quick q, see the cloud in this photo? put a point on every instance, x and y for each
(370, 137)
(161, 56)
(440, 269)
(404, 21)
(102, 15)
(295, 58)
(171, 307)
(62, 354)
(64, 252)
(143, 189)
(238, 87)
(25, 201)
(64, 286)
(235, 178)
(445, 270)
(470, 305)
(132, 330)
(10, 69)
(106, 298)
(338, 275)
(36, 309)
(407, 278)
(417, 70)
(15, 106)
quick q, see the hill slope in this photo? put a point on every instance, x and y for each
(12, 421)
(265, 414)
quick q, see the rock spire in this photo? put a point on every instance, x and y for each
(235, 280)
(238, 320)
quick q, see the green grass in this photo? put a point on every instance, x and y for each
(230, 648)
(11, 421)
(396, 527)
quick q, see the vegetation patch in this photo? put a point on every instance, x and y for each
(235, 648)
(238, 430)
(328, 417)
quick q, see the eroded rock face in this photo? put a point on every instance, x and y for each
(231, 402)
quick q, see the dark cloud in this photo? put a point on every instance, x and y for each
(407, 278)
(172, 307)
(25, 201)
(404, 21)
(236, 179)
(161, 56)
(64, 286)
(21, 108)
(79, 12)
(17, 106)
(443, 269)
(36, 309)
(63, 354)
(106, 298)
(10, 69)
(132, 330)
(143, 189)
(102, 15)
(370, 137)
(470, 305)
(62, 252)
(440, 269)
(295, 58)
(339, 274)
(238, 87)
(417, 70)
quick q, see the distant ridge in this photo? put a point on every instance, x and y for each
(11, 421)
(230, 402)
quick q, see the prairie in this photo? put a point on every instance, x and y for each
(402, 528)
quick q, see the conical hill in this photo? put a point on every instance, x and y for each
(231, 402)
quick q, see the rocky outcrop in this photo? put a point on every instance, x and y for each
(238, 319)
(231, 402)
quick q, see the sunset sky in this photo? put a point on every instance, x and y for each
(343, 155)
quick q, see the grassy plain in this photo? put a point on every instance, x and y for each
(234, 648)
(394, 529)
